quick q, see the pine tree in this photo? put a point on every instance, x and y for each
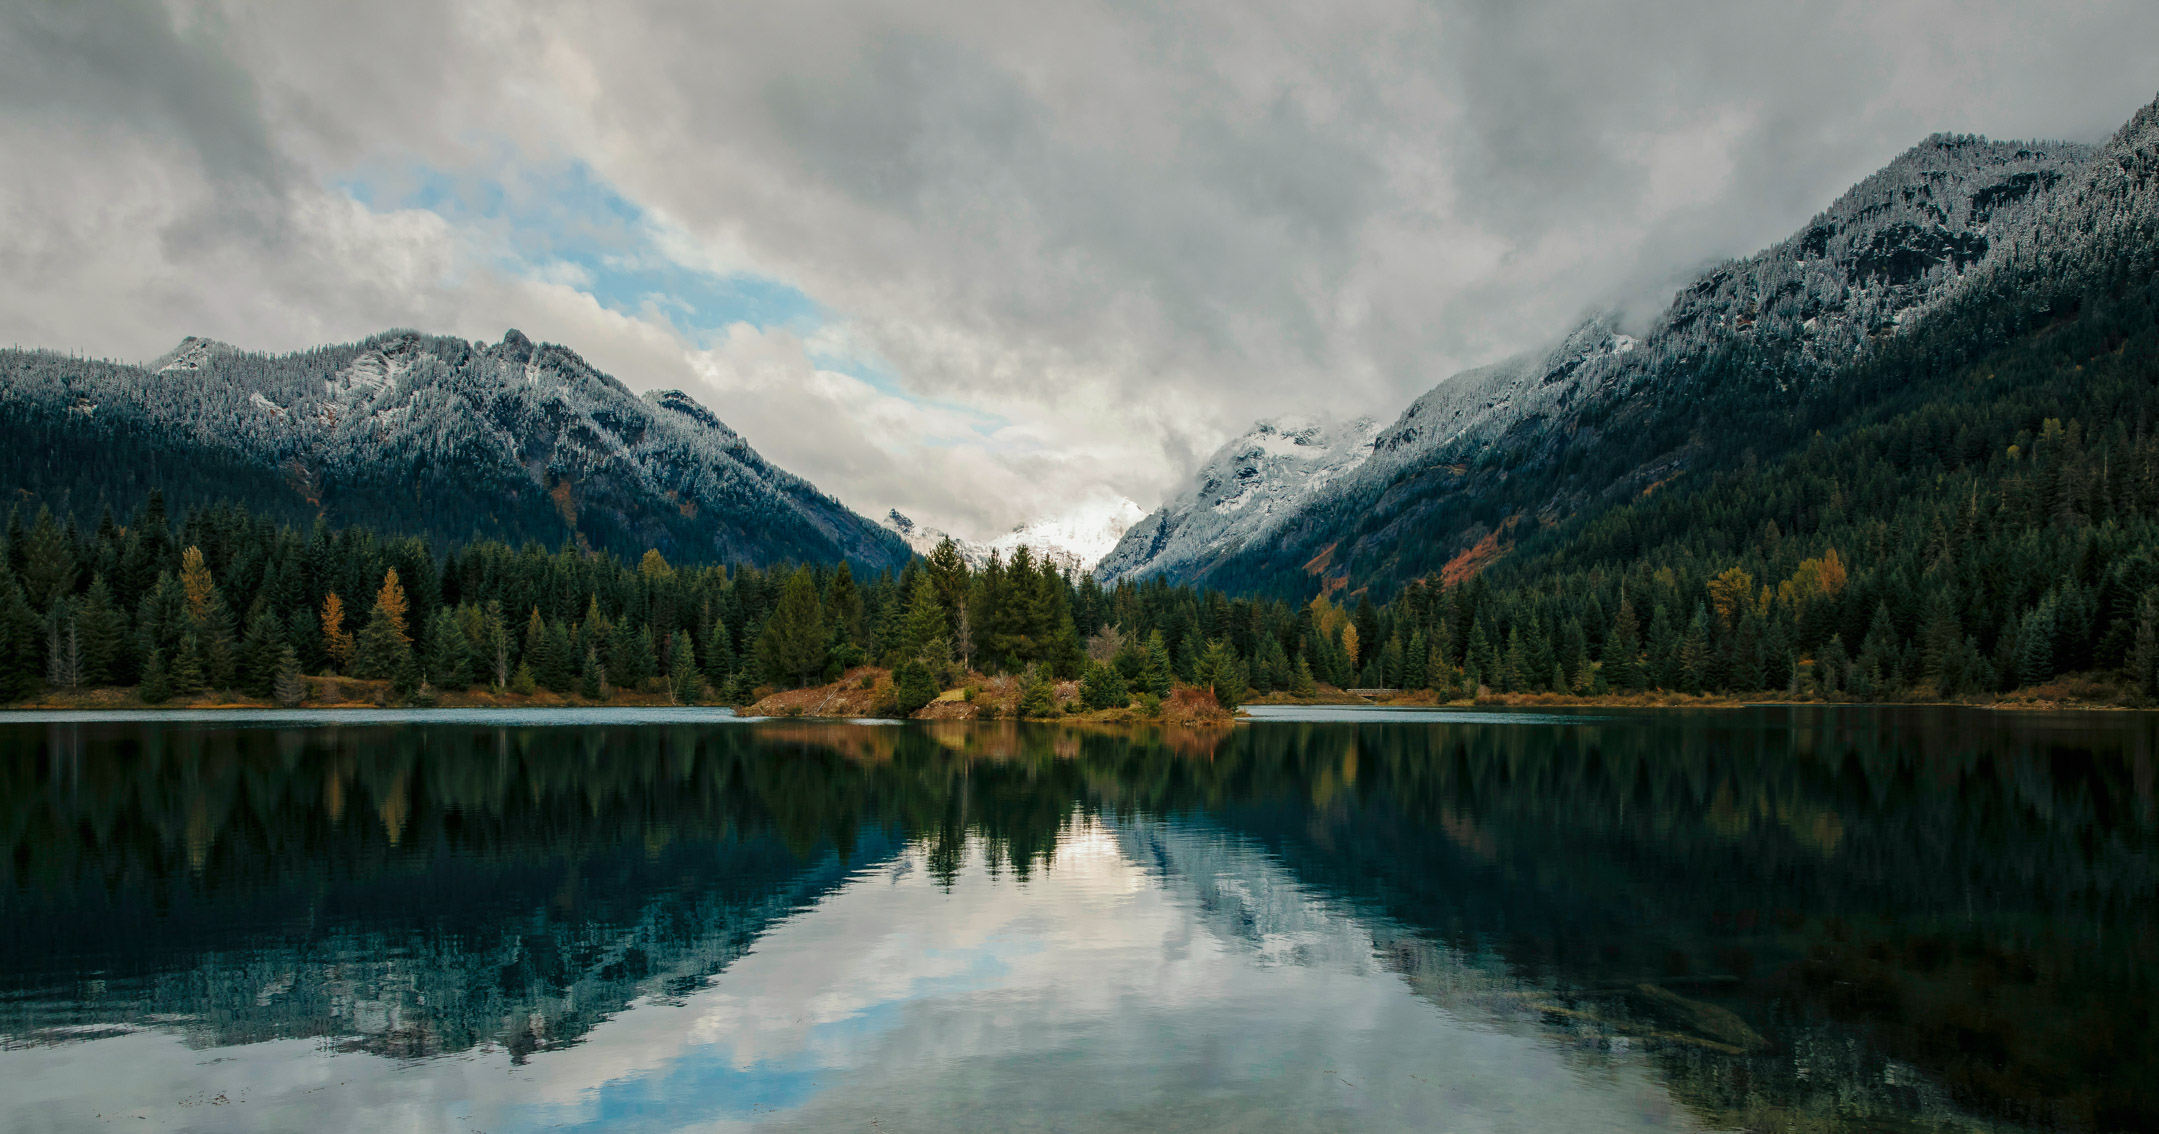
(792, 646)
(449, 657)
(104, 637)
(1038, 696)
(2035, 644)
(1155, 676)
(495, 645)
(684, 683)
(63, 653)
(262, 650)
(557, 669)
(912, 686)
(2144, 653)
(288, 688)
(1693, 667)
(156, 688)
(1104, 688)
(48, 562)
(592, 678)
(187, 678)
(1480, 661)
(337, 644)
(381, 648)
(1302, 684)
(21, 645)
(719, 656)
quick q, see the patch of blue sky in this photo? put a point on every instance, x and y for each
(705, 1084)
(564, 224)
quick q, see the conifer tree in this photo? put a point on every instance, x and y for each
(719, 657)
(1694, 666)
(382, 648)
(2144, 652)
(449, 660)
(592, 678)
(337, 642)
(792, 646)
(48, 562)
(156, 688)
(1302, 684)
(1155, 677)
(262, 650)
(684, 683)
(1038, 697)
(104, 634)
(557, 668)
(63, 652)
(1104, 688)
(495, 646)
(912, 686)
(21, 645)
(187, 678)
(288, 688)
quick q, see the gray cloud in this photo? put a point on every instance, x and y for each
(1127, 229)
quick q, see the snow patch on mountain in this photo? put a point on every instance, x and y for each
(1247, 489)
(1075, 539)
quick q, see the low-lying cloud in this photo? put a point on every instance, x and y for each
(971, 260)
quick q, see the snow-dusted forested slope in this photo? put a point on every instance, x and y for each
(425, 434)
(1879, 259)
(1245, 492)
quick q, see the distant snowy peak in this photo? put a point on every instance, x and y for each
(513, 440)
(193, 353)
(924, 540)
(1246, 489)
(1075, 540)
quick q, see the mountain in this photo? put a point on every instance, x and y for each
(422, 434)
(1740, 359)
(1242, 495)
(1075, 540)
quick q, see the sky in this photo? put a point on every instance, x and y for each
(980, 262)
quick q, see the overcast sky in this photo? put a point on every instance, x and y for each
(978, 261)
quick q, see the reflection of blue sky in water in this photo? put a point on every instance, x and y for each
(1156, 975)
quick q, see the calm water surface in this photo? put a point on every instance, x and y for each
(1772, 919)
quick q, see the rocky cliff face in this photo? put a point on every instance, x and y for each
(415, 433)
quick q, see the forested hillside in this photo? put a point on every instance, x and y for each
(1960, 247)
(417, 434)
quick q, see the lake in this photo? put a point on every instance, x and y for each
(1807, 919)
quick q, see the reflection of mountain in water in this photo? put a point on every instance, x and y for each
(423, 890)
(1811, 917)
(1972, 893)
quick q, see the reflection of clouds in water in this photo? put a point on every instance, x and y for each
(1156, 974)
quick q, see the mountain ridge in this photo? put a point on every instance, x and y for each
(1894, 248)
(515, 440)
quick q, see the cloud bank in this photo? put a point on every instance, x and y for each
(971, 260)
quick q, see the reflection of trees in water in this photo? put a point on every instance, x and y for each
(1855, 894)
(1971, 893)
(430, 889)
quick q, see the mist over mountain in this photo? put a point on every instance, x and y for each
(1603, 416)
(422, 434)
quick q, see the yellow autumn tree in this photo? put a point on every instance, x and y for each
(654, 565)
(1728, 594)
(1813, 579)
(336, 640)
(390, 600)
(195, 579)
